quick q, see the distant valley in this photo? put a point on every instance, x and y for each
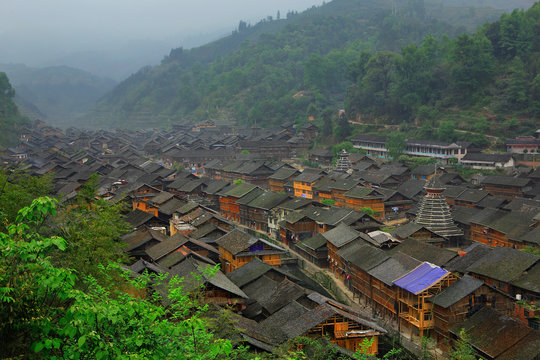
(58, 94)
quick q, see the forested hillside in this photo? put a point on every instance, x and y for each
(274, 71)
(487, 82)
(10, 119)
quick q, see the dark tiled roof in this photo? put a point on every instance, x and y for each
(457, 291)
(528, 348)
(404, 231)
(474, 253)
(362, 255)
(195, 273)
(393, 268)
(503, 264)
(472, 195)
(283, 173)
(492, 332)
(315, 242)
(463, 214)
(267, 200)
(215, 186)
(411, 188)
(284, 293)
(165, 247)
(236, 241)
(425, 252)
(138, 217)
(249, 272)
(240, 190)
(295, 203)
(530, 279)
(506, 181)
(341, 235)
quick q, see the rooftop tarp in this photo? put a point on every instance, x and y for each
(421, 278)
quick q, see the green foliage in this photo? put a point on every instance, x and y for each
(178, 167)
(238, 181)
(17, 190)
(413, 161)
(327, 128)
(396, 144)
(310, 164)
(43, 314)
(463, 350)
(330, 202)
(244, 152)
(91, 230)
(447, 132)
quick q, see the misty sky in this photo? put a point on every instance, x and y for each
(34, 30)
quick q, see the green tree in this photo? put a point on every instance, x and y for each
(17, 189)
(91, 230)
(473, 66)
(43, 314)
(327, 128)
(447, 132)
(344, 128)
(463, 350)
(395, 144)
(517, 85)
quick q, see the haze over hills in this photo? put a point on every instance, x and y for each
(255, 81)
(58, 94)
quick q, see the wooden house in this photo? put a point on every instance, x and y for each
(500, 228)
(321, 156)
(314, 249)
(507, 187)
(356, 259)
(296, 227)
(137, 242)
(343, 328)
(459, 301)
(365, 197)
(338, 190)
(415, 288)
(230, 195)
(384, 294)
(501, 266)
(237, 248)
(470, 198)
(278, 213)
(303, 183)
(259, 209)
(418, 232)
(336, 239)
(395, 203)
(277, 180)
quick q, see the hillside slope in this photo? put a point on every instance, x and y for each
(11, 122)
(253, 75)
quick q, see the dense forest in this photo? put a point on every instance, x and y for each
(11, 121)
(487, 82)
(281, 69)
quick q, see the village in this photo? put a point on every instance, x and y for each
(412, 253)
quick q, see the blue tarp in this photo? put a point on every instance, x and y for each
(421, 278)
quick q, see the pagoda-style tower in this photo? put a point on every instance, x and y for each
(343, 163)
(434, 212)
